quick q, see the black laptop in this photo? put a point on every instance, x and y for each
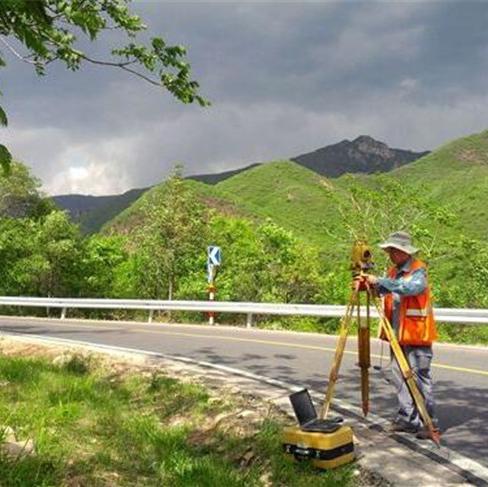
(307, 416)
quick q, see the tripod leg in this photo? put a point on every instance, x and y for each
(364, 355)
(407, 373)
(341, 345)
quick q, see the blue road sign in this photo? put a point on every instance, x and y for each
(214, 255)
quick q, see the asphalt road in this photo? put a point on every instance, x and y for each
(460, 372)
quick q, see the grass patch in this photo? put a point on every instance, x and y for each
(300, 323)
(93, 426)
(465, 334)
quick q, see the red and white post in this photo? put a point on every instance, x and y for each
(211, 297)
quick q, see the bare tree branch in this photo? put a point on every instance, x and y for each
(16, 54)
(124, 67)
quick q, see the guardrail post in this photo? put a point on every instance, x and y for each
(249, 320)
(63, 313)
(150, 317)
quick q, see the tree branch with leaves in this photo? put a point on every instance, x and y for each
(48, 31)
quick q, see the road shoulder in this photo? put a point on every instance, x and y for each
(387, 458)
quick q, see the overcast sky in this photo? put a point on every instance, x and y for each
(284, 79)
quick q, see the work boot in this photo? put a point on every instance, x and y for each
(423, 433)
(402, 427)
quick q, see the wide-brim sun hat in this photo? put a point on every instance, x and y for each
(401, 241)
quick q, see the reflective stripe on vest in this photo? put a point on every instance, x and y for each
(417, 312)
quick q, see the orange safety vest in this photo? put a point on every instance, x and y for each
(417, 324)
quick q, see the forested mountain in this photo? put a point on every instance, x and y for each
(91, 212)
(441, 199)
(362, 155)
(285, 231)
(455, 175)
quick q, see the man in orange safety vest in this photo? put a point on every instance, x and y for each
(408, 307)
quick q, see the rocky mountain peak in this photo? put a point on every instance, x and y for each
(368, 145)
(362, 155)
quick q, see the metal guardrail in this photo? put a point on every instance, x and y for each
(446, 315)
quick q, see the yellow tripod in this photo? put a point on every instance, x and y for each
(361, 286)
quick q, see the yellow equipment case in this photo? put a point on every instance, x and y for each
(324, 450)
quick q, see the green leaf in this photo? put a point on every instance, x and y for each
(3, 117)
(5, 159)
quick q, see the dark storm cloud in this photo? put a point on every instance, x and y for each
(284, 78)
(312, 53)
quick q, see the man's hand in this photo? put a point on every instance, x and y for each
(372, 280)
(356, 282)
(362, 281)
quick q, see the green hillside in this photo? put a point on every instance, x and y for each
(209, 195)
(457, 175)
(318, 210)
(313, 206)
(294, 197)
(454, 177)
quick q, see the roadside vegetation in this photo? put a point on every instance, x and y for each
(286, 235)
(93, 423)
